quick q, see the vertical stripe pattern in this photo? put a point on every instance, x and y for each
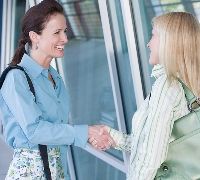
(151, 127)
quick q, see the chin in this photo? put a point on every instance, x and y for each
(59, 56)
(152, 61)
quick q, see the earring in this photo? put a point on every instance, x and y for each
(36, 46)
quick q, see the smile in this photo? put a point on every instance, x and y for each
(59, 47)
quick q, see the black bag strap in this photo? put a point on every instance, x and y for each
(5, 72)
(42, 148)
(44, 156)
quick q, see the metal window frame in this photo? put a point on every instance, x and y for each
(132, 49)
(7, 30)
(103, 8)
(142, 38)
(133, 55)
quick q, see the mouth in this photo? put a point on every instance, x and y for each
(60, 47)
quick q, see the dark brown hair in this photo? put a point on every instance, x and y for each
(35, 20)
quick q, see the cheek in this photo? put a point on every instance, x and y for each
(156, 57)
(153, 59)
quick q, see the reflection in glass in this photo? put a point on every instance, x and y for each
(93, 168)
(83, 18)
(20, 10)
(197, 9)
(149, 9)
(122, 61)
(88, 80)
(169, 1)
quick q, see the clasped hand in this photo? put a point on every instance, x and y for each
(100, 138)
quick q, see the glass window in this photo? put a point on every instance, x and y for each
(86, 73)
(122, 61)
(146, 10)
(1, 10)
(196, 7)
(92, 168)
(19, 13)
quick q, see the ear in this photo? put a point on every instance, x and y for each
(34, 37)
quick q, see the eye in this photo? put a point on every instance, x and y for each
(66, 31)
(57, 32)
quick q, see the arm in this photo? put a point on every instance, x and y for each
(122, 140)
(37, 128)
(153, 144)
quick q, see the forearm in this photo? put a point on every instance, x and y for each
(122, 140)
(48, 133)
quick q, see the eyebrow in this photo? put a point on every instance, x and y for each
(62, 29)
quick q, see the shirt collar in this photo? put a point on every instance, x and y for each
(157, 71)
(33, 68)
(54, 73)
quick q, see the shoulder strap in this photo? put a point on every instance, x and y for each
(5, 72)
(42, 148)
(188, 93)
(44, 156)
(193, 101)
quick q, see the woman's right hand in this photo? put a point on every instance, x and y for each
(99, 137)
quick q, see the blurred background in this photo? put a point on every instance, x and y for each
(105, 69)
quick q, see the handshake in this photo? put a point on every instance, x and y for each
(99, 137)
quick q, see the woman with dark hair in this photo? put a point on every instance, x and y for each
(41, 118)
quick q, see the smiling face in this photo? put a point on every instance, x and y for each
(154, 48)
(53, 37)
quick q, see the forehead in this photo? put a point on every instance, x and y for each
(56, 21)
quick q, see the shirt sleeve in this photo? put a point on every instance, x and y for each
(165, 96)
(20, 101)
(122, 140)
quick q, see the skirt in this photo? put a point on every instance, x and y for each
(27, 165)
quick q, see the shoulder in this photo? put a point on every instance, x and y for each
(14, 79)
(164, 85)
(171, 92)
(15, 73)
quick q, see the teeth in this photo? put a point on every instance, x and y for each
(60, 47)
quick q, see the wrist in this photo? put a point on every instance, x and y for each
(90, 131)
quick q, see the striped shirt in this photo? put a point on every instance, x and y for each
(151, 127)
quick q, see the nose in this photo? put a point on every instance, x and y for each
(148, 44)
(64, 38)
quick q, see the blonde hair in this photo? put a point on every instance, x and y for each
(179, 47)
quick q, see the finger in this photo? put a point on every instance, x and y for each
(97, 147)
(111, 141)
(94, 142)
(91, 140)
(106, 129)
(101, 147)
(107, 145)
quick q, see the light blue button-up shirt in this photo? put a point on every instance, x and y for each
(28, 123)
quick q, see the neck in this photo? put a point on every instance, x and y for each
(40, 59)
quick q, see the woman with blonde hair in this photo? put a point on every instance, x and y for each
(175, 56)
